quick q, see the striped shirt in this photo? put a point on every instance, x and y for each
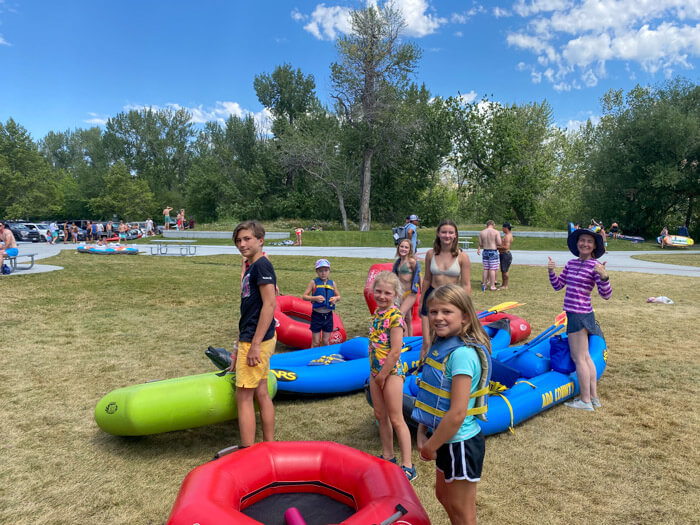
(579, 278)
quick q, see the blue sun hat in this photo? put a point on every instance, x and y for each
(572, 242)
(323, 263)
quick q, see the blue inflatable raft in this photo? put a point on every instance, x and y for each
(343, 367)
(535, 389)
(110, 249)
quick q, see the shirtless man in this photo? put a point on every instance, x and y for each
(166, 217)
(9, 245)
(504, 254)
(489, 241)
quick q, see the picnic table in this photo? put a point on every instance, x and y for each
(12, 259)
(185, 246)
(464, 242)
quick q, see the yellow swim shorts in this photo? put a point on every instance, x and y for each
(251, 376)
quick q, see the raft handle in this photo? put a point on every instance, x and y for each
(400, 511)
(228, 450)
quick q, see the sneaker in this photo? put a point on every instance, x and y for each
(595, 401)
(581, 405)
(411, 473)
(392, 460)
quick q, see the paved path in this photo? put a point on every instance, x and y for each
(616, 261)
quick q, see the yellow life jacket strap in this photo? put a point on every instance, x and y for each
(435, 364)
(430, 410)
(435, 391)
(525, 382)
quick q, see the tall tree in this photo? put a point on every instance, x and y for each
(124, 195)
(644, 172)
(288, 94)
(373, 68)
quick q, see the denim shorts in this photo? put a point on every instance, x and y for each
(576, 322)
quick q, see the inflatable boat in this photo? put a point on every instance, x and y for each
(341, 368)
(172, 404)
(523, 384)
(293, 316)
(519, 327)
(110, 249)
(296, 483)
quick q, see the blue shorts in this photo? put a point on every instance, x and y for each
(424, 303)
(576, 322)
(12, 252)
(462, 460)
(490, 259)
(321, 322)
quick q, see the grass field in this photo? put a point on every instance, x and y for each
(69, 337)
(689, 259)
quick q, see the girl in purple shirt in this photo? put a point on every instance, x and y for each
(580, 276)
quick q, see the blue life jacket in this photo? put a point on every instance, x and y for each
(435, 389)
(415, 283)
(325, 290)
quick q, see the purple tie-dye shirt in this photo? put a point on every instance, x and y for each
(579, 278)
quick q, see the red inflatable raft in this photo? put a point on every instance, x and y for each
(293, 316)
(323, 481)
(519, 327)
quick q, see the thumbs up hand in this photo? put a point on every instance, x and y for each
(599, 268)
(550, 264)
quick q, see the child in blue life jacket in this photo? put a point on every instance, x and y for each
(323, 294)
(452, 394)
(386, 330)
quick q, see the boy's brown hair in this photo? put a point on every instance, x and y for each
(253, 226)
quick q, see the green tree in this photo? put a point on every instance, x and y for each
(373, 69)
(504, 156)
(644, 170)
(28, 187)
(123, 195)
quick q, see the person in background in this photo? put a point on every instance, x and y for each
(407, 268)
(323, 294)
(166, 217)
(412, 231)
(8, 244)
(506, 258)
(489, 242)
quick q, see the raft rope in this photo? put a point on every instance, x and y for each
(496, 389)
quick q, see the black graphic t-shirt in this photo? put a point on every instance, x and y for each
(259, 273)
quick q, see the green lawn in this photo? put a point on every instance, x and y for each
(101, 323)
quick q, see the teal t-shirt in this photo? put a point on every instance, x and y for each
(465, 361)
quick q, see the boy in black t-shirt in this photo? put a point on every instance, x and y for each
(256, 334)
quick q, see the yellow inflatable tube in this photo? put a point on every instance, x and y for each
(171, 404)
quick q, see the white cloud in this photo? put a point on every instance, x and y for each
(96, 119)
(575, 39)
(219, 113)
(328, 22)
(499, 12)
(467, 98)
(4, 42)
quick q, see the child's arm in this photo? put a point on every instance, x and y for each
(309, 290)
(465, 272)
(557, 281)
(267, 313)
(602, 279)
(449, 425)
(396, 338)
(336, 297)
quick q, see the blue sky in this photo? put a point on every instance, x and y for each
(73, 64)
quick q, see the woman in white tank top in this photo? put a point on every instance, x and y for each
(444, 264)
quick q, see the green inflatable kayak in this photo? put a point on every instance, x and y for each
(171, 404)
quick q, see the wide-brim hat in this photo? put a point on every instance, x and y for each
(572, 242)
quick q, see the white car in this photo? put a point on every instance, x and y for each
(42, 228)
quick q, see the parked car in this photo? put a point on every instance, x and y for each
(22, 233)
(42, 228)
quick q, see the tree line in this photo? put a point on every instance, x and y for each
(384, 147)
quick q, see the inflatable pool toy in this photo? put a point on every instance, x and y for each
(110, 249)
(171, 404)
(326, 482)
(293, 316)
(341, 368)
(632, 238)
(519, 327)
(522, 387)
(676, 241)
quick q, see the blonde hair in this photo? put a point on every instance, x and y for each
(410, 248)
(453, 294)
(392, 280)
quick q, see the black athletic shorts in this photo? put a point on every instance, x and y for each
(506, 259)
(321, 322)
(462, 460)
(424, 304)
